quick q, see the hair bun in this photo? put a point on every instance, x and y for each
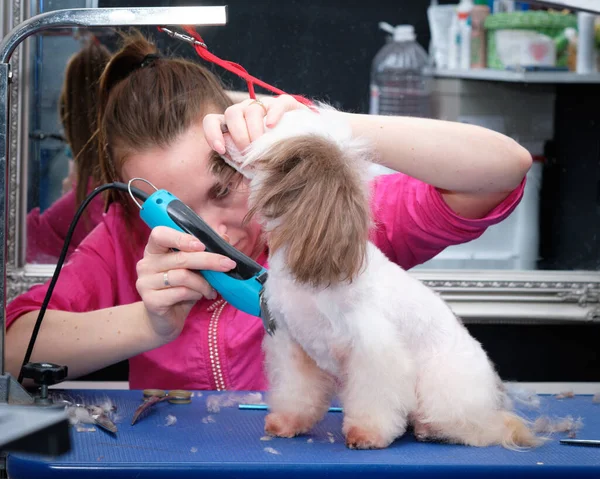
(136, 49)
(149, 60)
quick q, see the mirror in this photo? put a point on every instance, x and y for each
(545, 254)
(56, 125)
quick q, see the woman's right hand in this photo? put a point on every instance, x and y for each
(167, 283)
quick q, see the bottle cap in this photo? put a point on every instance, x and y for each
(401, 33)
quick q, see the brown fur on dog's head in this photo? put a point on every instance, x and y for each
(316, 200)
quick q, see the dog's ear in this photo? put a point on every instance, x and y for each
(235, 158)
(317, 200)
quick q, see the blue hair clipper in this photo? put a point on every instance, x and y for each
(243, 286)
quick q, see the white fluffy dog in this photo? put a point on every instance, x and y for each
(349, 321)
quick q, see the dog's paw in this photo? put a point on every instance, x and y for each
(286, 425)
(360, 438)
(423, 432)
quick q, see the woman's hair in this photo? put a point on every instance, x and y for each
(148, 101)
(78, 112)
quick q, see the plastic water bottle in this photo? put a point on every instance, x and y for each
(399, 83)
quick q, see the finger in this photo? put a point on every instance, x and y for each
(279, 106)
(163, 239)
(255, 117)
(212, 125)
(236, 124)
(193, 261)
(166, 298)
(181, 278)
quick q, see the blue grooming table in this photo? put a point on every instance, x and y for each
(228, 444)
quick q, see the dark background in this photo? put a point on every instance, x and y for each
(323, 49)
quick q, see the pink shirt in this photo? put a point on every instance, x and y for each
(46, 231)
(220, 347)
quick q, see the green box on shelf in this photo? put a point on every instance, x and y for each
(552, 24)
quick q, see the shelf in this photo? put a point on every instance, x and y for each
(591, 6)
(519, 77)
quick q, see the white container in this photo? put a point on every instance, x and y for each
(525, 48)
(454, 43)
(586, 54)
(440, 19)
(465, 44)
(503, 6)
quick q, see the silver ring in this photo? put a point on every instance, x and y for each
(166, 279)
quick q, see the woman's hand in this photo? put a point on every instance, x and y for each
(168, 286)
(245, 121)
(70, 179)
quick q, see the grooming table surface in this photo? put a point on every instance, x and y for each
(228, 443)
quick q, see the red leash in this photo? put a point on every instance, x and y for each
(201, 49)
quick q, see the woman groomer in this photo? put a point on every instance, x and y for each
(124, 294)
(47, 230)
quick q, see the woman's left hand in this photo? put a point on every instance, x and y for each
(69, 181)
(245, 121)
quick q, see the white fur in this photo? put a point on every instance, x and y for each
(389, 345)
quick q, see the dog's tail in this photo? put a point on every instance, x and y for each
(494, 428)
(516, 433)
